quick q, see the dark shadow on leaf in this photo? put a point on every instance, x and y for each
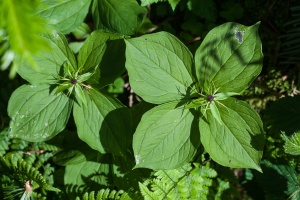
(112, 64)
(116, 131)
(195, 131)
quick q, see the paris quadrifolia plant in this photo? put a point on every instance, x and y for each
(197, 98)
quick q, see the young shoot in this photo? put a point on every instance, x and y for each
(72, 80)
(208, 100)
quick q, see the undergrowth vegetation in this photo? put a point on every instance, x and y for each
(149, 99)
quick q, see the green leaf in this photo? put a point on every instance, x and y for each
(173, 3)
(86, 76)
(224, 96)
(49, 62)
(165, 138)
(22, 26)
(230, 57)
(65, 15)
(80, 95)
(68, 157)
(159, 67)
(93, 49)
(82, 31)
(215, 112)
(102, 48)
(63, 87)
(89, 175)
(37, 114)
(124, 17)
(147, 2)
(104, 124)
(239, 141)
(292, 144)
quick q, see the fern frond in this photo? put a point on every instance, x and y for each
(20, 171)
(22, 27)
(147, 194)
(4, 142)
(105, 194)
(186, 182)
(292, 144)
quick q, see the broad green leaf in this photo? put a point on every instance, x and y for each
(68, 157)
(159, 67)
(102, 48)
(137, 111)
(165, 138)
(124, 17)
(73, 150)
(49, 62)
(292, 144)
(239, 141)
(230, 57)
(37, 114)
(65, 15)
(104, 124)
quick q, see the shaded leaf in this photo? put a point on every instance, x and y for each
(124, 17)
(279, 181)
(104, 124)
(102, 48)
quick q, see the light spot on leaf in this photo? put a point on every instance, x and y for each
(46, 124)
(137, 159)
(238, 34)
(56, 36)
(22, 116)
